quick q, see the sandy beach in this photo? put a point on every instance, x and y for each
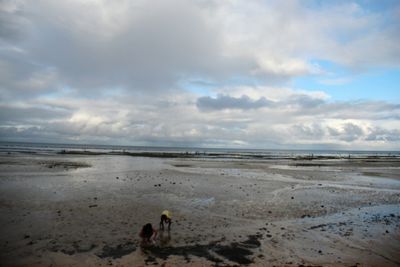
(87, 210)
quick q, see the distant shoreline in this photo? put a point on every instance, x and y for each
(228, 155)
(192, 152)
(189, 148)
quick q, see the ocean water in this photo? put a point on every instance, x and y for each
(47, 148)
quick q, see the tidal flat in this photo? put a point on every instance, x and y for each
(87, 210)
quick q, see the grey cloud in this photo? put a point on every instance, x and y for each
(148, 124)
(379, 134)
(376, 106)
(14, 133)
(304, 101)
(48, 135)
(21, 80)
(12, 22)
(351, 132)
(10, 115)
(333, 132)
(348, 133)
(381, 47)
(308, 132)
(227, 102)
(145, 46)
(30, 134)
(372, 110)
(149, 47)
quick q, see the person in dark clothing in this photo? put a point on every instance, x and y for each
(148, 233)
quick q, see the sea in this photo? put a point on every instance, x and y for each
(52, 148)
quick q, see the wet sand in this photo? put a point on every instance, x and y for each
(87, 210)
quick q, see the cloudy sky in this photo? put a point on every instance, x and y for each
(208, 73)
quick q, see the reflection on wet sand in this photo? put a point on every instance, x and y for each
(164, 238)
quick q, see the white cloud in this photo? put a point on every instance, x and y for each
(144, 45)
(336, 81)
(291, 121)
(114, 71)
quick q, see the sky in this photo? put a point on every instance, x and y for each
(270, 74)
